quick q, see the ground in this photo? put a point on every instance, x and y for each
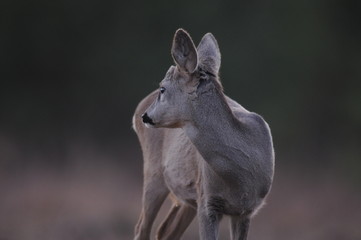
(100, 200)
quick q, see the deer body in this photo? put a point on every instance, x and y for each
(213, 156)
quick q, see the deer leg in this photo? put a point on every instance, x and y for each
(154, 194)
(239, 227)
(208, 223)
(168, 220)
(177, 221)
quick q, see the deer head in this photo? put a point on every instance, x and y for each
(195, 72)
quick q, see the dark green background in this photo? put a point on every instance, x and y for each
(78, 69)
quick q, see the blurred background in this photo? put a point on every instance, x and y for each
(72, 73)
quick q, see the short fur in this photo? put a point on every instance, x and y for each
(211, 155)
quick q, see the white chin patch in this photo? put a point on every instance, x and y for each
(147, 125)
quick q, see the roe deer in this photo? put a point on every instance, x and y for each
(211, 155)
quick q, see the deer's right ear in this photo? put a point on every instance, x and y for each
(184, 52)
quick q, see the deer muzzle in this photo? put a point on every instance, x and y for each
(147, 119)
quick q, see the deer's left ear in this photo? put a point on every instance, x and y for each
(209, 54)
(184, 52)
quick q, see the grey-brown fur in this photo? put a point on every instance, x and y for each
(203, 149)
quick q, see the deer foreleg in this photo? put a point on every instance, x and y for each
(239, 227)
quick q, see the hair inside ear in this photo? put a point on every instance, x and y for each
(184, 52)
(209, 54)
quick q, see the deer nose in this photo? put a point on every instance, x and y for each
(147, 119)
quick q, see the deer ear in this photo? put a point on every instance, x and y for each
(209, 54)
(184, 52)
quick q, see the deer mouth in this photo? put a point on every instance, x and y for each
(147, 125)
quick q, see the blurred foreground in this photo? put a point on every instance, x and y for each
(98, 197)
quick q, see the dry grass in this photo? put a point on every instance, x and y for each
(102, 202)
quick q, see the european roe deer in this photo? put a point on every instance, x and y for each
(211, 155)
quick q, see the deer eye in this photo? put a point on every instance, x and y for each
(162, 90)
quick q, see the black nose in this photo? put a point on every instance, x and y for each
(147, 119)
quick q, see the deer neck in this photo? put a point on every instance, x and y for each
(216, 133)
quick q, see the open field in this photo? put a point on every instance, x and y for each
(100, 200)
